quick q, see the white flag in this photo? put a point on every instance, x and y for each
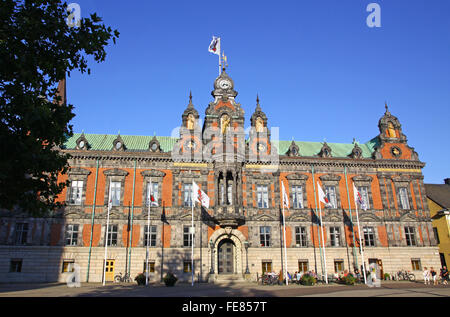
(199, 196)
(285, 196)
(322, 197)
(214, 47)
(358, 198)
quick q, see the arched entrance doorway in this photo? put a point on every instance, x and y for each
(226, 257)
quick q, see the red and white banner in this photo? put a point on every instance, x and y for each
(199, 195)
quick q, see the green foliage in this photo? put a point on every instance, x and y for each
(37, 49)
(349, 279)
(308, 279)
(170, 279)
(140, 279)
(387, 276)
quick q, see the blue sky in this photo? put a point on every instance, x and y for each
(320, 71)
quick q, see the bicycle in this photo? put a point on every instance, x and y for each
(119, 278)
(270, 280)
(406, 276)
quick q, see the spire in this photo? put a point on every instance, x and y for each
(387, 109)
(258, 107)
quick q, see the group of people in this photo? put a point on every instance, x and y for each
(431, 276)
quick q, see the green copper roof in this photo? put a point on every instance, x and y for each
(104, 142)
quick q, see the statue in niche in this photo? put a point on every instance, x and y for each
(259, 125)
(190, 122)
(391, 130)
(224, 123)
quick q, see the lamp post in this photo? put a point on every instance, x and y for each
(246, 252)
(211, 244)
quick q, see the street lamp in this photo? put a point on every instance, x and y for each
(211, 244)
(246, 251)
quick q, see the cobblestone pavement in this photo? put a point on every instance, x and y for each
(387, 289)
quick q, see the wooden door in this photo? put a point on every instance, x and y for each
(109, 271)
(226, 257)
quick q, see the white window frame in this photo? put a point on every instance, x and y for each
(335, 236)
(262, 196)
(152, 235)
(76, 192)
(364, 191)
(115, 189)
(264, 236)
(71, 235)
(403, 197)
(297, 196)
(187, 194)
(330, 192)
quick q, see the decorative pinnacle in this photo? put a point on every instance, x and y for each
(190, 96)
(258, 107)
(387, 109)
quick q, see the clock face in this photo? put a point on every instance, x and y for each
(154, 146)
(261, 147)
(118, 145)
(81, 144)
(224, 84)
(396, 152)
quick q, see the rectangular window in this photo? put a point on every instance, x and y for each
(335, 234)
(21, 233)
(300, 236)
(112, 236)
(410, 236)
(266, 266)
(76, 191)
(262, 196)
(151, 267)
(68, 266)
(297, 197)
(15, 266)
(369, 236)
(151, 235)
(114, 193)
(71, 235)
(187, 236)
(339, 265)
(264, 234)
(303, 266)
(436, 235)
(403, 197)
(187, 266)
(330, 192)
(187, 195)
(416, 265)
(364, 191)
(152, 190)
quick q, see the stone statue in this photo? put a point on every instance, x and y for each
(190, 122)
(259, 124)
(224, 123)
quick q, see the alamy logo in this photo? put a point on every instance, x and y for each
(74, 18)
(374, 18)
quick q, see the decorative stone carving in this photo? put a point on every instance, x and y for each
(78, 171)
(297, 176)
(153, 173)
(115, 172)
(325, 151)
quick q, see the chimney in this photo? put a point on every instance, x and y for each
(447, 181)
(62, 90)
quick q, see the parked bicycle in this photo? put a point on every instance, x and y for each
(270, 279)
(405, 276)
(119, 278)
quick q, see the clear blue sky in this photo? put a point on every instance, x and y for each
(320, 71)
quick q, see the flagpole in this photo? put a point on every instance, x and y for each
(285, 251)
(360, 243)
(318, 233)
(192, 233)
(323, 242)
(148, 232)
(355, 256)
(106, 242)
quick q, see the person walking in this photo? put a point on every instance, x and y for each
(444, 275)
(433, 276)
(426, 276)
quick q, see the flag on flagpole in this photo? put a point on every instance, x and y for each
(322, 197)
(163, 215)
(358, 198)
(285, 196)
(151, 198)
(214, 47)
(200, 196)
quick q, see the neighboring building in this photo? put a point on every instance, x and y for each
(438, 196)
(241, 231)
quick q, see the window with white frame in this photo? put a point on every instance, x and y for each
(76, 192)
(297, 196)
(369, 236)
(403, 197)
(187, 195)
(150, 236)
(114, 193)
(71, 237)
(21, 233)
(264, 236)
(410, 236)
(364, 191)
(335, 234)
(112, 236)
(152, 189)
(330, 192)
(187, 236)
(262, 196)
(300, 236)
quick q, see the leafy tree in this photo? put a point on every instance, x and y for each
(37, 49)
